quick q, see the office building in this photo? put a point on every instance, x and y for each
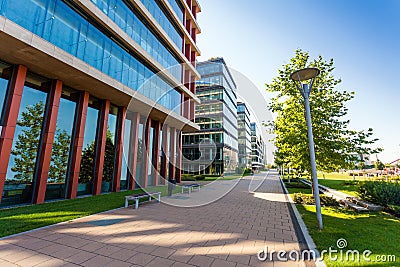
(244, 136)
(83, 111)
(217, 118)
(258, 147)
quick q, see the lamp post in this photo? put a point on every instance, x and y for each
(299, 77)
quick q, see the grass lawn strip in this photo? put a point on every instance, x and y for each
(374, 231)
(25, 218)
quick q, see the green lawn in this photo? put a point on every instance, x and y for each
(339, 185)
(226, 177)
(377, 232)
(24, 218)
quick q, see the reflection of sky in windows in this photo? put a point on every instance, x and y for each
(112, 126)
(127, 132)
(29, 97)
(3, 90)
(66, 111)
(91, 126)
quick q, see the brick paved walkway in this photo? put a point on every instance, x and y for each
(227, 232)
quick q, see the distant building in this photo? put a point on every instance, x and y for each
(244, 136)
(258, 155)
(217, 118)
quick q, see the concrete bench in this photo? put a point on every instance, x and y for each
(154, 195)
(190, 187)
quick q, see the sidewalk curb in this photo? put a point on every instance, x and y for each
(309, 241)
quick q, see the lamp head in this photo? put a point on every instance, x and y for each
(304, 74)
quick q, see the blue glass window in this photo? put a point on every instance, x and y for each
(57, 23)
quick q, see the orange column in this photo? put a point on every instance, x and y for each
(146, 152)
(46, 144)
(76, 153)
(119, 146)
(133, 152)
(101, 146)
(179, 159)
(11, 108)
(172, 158)
(164, 159)
(156, 151)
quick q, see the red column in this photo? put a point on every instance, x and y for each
(172, 150)
(46, 144)
(187, 52)
(133, 151)
(11, 108)
(146, 153)
(164, 160)
(156, 150)
(101, 146)
(179, 163)
(76, 153)
(119, 146)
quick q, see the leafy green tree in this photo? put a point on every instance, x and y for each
(26, 146)
(59, 156)
(86, 173)
(379, 165)
(336, 146)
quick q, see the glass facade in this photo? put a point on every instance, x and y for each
(126, 156)
(165, 23)
(56, 182)
(132, 25)
(109, 155)
(244, 139)
(177, 8)
(140, 156)
(217, 118)
(20, 172)
(59, 24)
(86, 174)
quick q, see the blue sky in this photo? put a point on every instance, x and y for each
(363, 37)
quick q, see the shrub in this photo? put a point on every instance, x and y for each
(188, 177)
(300, 198)
(199, 177)
(350, 182)
(395, 210)
(380, 192)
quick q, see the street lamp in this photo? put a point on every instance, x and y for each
(305, 88)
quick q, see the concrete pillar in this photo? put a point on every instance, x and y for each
(46, 143)
(100, 146)
(119, 147)
(10, 116)
(77, 139)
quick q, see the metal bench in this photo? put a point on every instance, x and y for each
(190, 187)
(154, 195)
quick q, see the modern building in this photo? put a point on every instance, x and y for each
(83, 111)
(217, 118)
(244, 136)
(258, 147)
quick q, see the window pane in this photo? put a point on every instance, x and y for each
(86, 174)
(19, 180)
(60, 152)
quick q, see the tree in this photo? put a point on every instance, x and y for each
(336, 146)
(86, 173)
(59, 156)
(379, 165)
(26, 146)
